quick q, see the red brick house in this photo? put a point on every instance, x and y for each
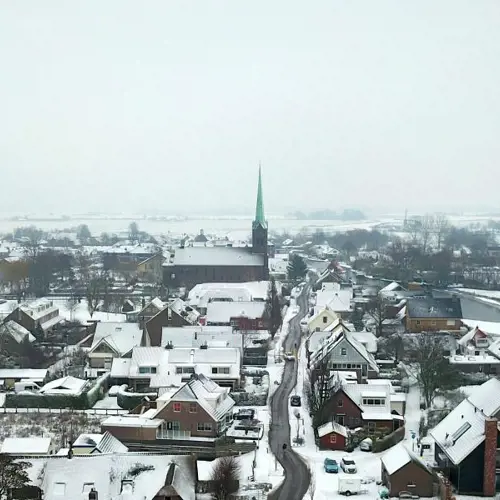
(402, 470)
(199, 409)
(362, 405)
(332, 436)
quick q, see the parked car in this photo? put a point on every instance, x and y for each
(348, 465)
(331, 466)
(295, 401)
(366, 445)
(289, 356)
(349, 485)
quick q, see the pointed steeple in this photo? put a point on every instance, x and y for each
(260, 220)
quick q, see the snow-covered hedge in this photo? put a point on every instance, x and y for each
(80, 401)
(130, 400)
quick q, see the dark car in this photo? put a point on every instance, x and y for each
(295, 401)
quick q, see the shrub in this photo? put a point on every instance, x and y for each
(389, 440)
(130, 400)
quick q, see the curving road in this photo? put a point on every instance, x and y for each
(297, 476)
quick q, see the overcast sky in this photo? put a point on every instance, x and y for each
(161, 105)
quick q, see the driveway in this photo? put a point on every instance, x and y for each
(297, 477)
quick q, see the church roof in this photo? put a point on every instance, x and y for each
(260, 219)
(217, 256)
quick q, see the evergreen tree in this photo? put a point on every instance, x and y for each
(297, 268)
(273, 308)
(13, 475)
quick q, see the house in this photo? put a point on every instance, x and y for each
(149, 366)
(114, 476)
(193, 265)
(111, 340)
(150, 310)
(13, 337)
(474, 342)
(176, 313)
(38, 316)
(467, 439)
(239, 315)
(342, 352)
(332, 436)
(199, 409)
(151, 268)
(362, 405)
(426, 314)
(86, 444)
(402, 470)
(12, 375)
(29, 446)
(392, 292)
(338, 297)
(321, 319)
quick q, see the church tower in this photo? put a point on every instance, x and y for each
(259, 226)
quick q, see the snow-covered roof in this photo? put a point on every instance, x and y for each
(87, 440)
(367, 339)
(38, 308)
(121, 337)
(397, 457)
(29, 446)
(65, 385)
(16, 331)
(131, 421)
(120, 367)
(217, 256)
(338, 300)
(330, 427)
(120, 476)
(23, 373)
(391, 287)
(222, 312)
(185, 310)
(488, 327)
(109, 444)
(215, 400)
(358, 392)
(215, 336)
(462, 430)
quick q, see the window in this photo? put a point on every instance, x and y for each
(221, 370)
(433, 323)
(177, 407)
(147, 369)
(204, 427)
(173, 426)
(417, 322)
(343, 351)
(333, 438)
(340, 419)
(193, 408)
(183, 370)
(87, 487)
(371, 426)
(450, 322)
(325, 319)
(340, 403)
(318, 329)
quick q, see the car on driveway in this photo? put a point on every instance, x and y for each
(348, 465)
(331, 466)
(295, 401)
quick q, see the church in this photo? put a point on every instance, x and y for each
(192, 265)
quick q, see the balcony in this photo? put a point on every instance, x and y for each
(165, 434)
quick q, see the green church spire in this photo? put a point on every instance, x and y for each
(260, 220)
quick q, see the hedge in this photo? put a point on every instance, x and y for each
(388, 441)
(82, 401)
(130, 400)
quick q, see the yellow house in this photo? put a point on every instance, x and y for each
(321, 320)
(151, 269)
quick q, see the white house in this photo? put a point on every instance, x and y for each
(30, 446)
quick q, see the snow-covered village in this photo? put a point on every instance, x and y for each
(249, 250)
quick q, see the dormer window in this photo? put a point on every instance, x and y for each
(127, 487)
(147, 369)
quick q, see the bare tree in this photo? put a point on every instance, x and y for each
(225, 477)
(377, 311)
(96, 289)
(441, 228)
(426, 230)
(434, 370)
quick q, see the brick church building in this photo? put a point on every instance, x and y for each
(213, 264)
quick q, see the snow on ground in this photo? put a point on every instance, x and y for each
(490, 294)
(80, 312)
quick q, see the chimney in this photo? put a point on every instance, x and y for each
(93, 495)
(490, 457)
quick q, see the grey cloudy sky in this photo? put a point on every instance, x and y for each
(161, 105)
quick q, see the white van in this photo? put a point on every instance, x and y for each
(26, 385)
(349, 485)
